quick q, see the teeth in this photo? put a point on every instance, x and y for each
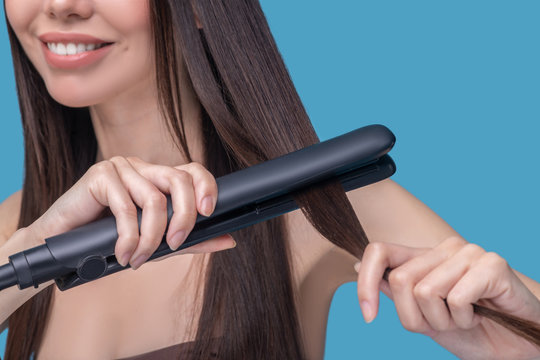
(72, 48)
(61, 49)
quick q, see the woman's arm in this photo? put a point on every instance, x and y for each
(391, 214)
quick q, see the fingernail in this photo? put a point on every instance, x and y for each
(177, 239)
(366, 311)
(207, 205)
(234, 244)
(125, 259)
(138, 261)
(357, 266)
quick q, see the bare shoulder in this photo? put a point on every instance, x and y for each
(10, 210)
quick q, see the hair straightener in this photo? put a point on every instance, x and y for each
(245, 197)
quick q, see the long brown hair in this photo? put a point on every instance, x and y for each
(250, 113)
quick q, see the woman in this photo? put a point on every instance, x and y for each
(94, 98)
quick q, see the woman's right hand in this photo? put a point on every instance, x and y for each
(121, 183)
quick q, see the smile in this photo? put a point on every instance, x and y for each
(72, 48)
(70, 51)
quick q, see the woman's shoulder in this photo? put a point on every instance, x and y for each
(10, 210)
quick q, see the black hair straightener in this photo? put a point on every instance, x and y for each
(245, 197)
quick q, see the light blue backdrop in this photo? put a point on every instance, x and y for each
(457, 82)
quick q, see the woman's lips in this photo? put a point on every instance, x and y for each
(72, 51)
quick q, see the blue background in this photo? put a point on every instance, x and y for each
(457, 82)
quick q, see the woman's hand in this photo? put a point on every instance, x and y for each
(121, 183)
(463, 274)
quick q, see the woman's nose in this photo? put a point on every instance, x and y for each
(69, 9)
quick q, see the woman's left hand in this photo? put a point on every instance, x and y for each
(463, 274)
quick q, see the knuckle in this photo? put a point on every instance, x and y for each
(456, 300)
(156, 200)
(127, 208)
(173, 180)
(399, 279)
(183, 176)
(195, 165)
(424, 291)
(130, 237)
(375, 249)
(471, 248)
(414, 324)
(201, 169)
(101, 168)
(117, 159)
(494, 260)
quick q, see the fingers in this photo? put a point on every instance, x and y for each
(483, 280)
(419, 283)
(109, 190)
(434, 289)
(122, 184)
(204, 183)
(193, 189)
(431, 291)
(377, 257)
(154, 213)
(205, 187)
(407, 287)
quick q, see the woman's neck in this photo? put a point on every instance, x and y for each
(132, 125)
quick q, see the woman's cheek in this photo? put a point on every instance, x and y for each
(21, 12)
(21, 15)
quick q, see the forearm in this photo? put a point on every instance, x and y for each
(12, 298)
(389, 213)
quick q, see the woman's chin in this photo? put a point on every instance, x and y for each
(73, 100)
